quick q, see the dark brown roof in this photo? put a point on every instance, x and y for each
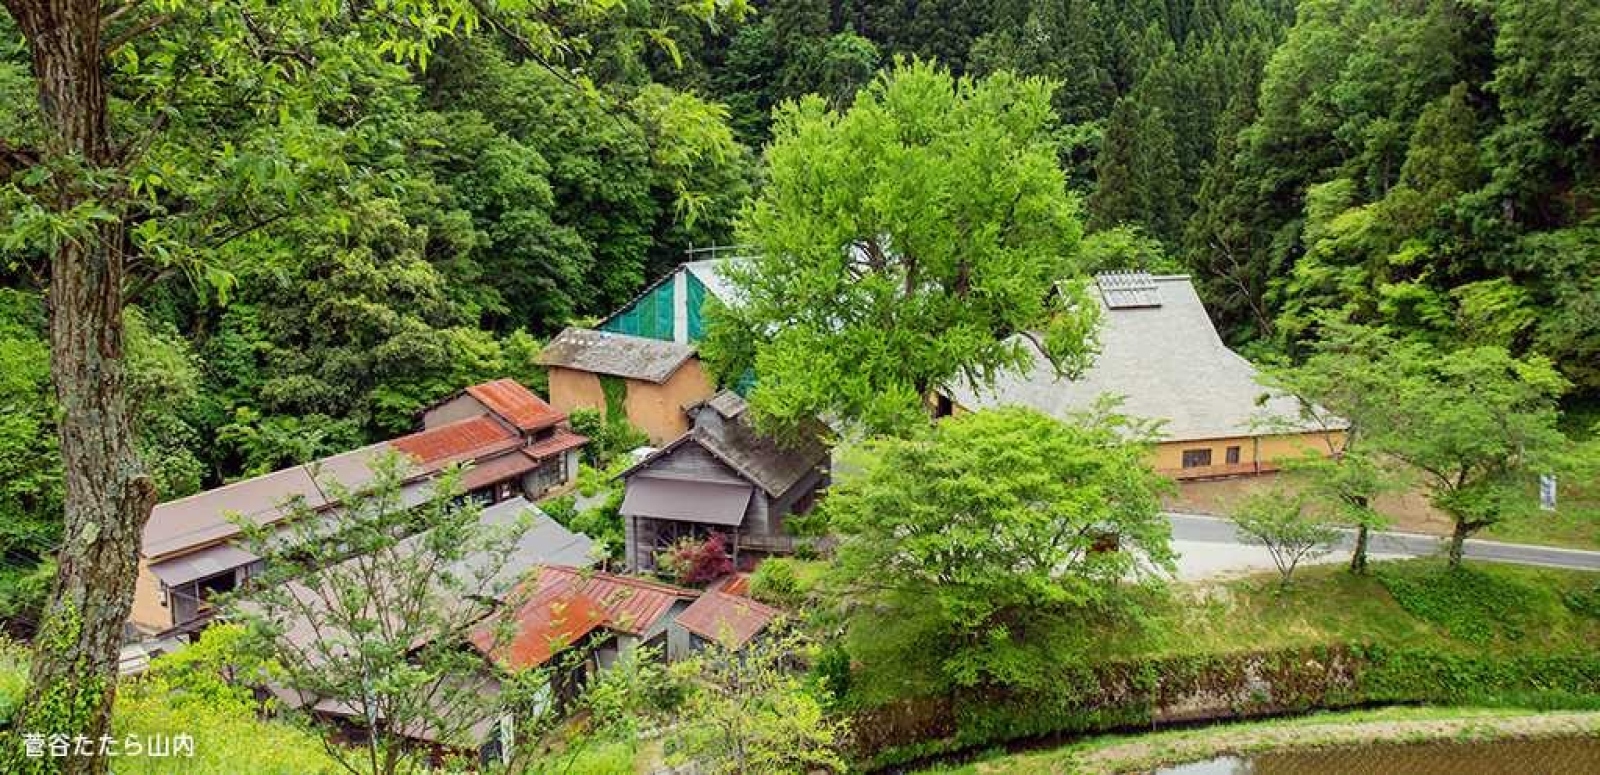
(517, 404)
(770, 465)
(727, 619)
(202, 519)
(618, 355)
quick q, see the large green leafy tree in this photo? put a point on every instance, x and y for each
(921, 236)
(967, 553)
(1477, 424)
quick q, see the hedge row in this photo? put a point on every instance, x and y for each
(1144, 693)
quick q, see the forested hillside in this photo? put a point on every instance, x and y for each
(419, 227)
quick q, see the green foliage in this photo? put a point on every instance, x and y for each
(602, 520)
(774, 581)
(748, 713)
(610, 436)
(1469, 605)
(905, 242)
(1585, 602)
(1279, 521)
(1500, 636)
(966, 551)
(13, 678)
(1125, 247)
(1413, 165)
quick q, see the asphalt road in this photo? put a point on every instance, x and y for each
(1212, 530)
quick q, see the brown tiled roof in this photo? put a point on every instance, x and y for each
(632, 605)
(727, 619)
(734, 584)
(552, 619)
(199, 520)
(457, 441)
(517, 404)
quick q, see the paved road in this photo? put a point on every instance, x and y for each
(1195, 530)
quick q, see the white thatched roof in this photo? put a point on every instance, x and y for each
(1164, 359)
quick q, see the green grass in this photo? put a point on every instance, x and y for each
(1507, 609)
(1575, 526)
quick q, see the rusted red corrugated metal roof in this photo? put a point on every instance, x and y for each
(517, 404)
(727, 619)
(733, 584)
(558, 442)
(460, 440)
(632, 605)
(551, 620)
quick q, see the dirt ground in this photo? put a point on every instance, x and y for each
(1135, 755)
(1409, 511)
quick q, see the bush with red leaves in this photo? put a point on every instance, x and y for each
(693, 561)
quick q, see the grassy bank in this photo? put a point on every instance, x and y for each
(1410, 632)
(1140, 753)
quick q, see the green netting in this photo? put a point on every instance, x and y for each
(697, 300)
(650, 316)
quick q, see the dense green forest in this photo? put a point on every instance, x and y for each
(1428, 164)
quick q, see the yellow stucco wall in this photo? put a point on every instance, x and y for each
(148, 612)
(658, 409)
(1256, 453)
(571, 389)
(655, 409)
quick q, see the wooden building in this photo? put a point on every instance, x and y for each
(513, 444)
(720, 477)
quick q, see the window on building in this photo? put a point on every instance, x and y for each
(1196, 458)
(1233, 456)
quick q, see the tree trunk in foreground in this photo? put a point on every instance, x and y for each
(108, 496)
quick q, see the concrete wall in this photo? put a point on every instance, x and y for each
(655, 409)
(1256, 453)
(462, 407)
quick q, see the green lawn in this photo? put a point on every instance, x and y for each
(1509, 609)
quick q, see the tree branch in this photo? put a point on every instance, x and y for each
(127, 36)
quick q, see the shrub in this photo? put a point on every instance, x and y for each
(562, 509)
(13, 678)
(774, 582)
(692, 561)
(1584, 602)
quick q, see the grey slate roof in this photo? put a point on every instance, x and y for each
(721, 428)
(1166, 361)
(620, 355)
